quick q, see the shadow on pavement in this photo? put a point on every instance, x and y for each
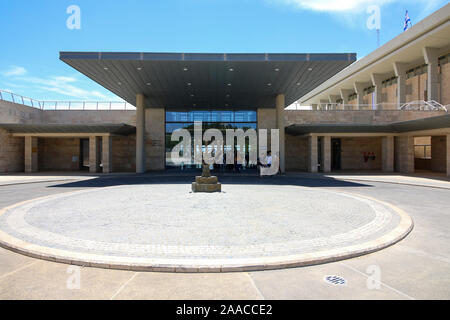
(224, 179)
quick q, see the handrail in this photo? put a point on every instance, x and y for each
(419, 105)
(65, 105)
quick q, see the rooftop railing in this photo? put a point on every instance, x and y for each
(419, 105)
(65, 105)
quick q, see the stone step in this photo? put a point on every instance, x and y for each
(199, 187)
(206, 180)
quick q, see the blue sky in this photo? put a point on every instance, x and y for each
(33, 32)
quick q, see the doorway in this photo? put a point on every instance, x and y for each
(335, 154)
(84, 154)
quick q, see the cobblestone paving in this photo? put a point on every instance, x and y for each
(167, 221)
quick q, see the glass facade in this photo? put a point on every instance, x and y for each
(217, 119)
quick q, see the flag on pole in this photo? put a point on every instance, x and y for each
(408, 23)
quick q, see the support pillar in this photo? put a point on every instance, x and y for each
(312, 153)
(107, 154)
(400, 73)
(405, 156)
(344, 96)
(94, 154)
(326, 153)
(359, 89)
(333, 100)
(314, 106)
(377, 82)
(387, 154)
(140, 133)
(280, 105)
(431, 57)
(31, 154)
(448, 155)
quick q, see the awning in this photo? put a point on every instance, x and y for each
(212, 80)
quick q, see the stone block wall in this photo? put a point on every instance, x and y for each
(445, 84)
(416, 87)
(155, 139)
(389, 96)
(438, 153)
(11, 153)
(404, 154)
(352, 153)
(90, 116)
(296, 153)
(124, 153)
(17, 113)
(58, 154)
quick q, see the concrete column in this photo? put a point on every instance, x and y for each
(324, 104)
(448, 155)
(280, 105)
(94, 154)
(312, 153)
(400, 73)
(140, 133)
(314, 106)
(31, 154)
(359, 89)
(377, 80)
(333, 100)
(405, 156)
(344, 96)
(431, 57)
(326, 153)
(387, 154)
(107, 154)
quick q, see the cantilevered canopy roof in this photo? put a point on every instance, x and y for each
(431, 123)
(120, 129)
(208, 80)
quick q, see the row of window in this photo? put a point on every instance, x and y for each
(211, 116)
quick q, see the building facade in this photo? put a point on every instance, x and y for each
(386, 112)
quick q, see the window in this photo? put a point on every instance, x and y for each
(218, 119)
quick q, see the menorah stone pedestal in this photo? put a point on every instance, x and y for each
(206, 182)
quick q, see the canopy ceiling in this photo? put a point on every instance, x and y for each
(186, 80)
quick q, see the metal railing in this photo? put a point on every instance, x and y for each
(419, 105)
(15, 98)
(65, 105)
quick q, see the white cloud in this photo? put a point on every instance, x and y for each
(67, 86)
(15, 71)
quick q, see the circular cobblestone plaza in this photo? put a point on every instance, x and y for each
(165, 227)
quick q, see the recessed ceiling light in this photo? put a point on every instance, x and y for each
(192, 95)
(189, 83)
(194, 104)
(139, 68)
(148, 83)
(309, 69)
(277, 69)
(227, 95)
(298, 83)
(106, 68)
(269, 84)
(229, 84)
(226, 105)
(185, 69)
(231, 69)
(119, 83)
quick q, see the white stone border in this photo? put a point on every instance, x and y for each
(206, 265)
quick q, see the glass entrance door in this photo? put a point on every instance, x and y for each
(218, 119)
